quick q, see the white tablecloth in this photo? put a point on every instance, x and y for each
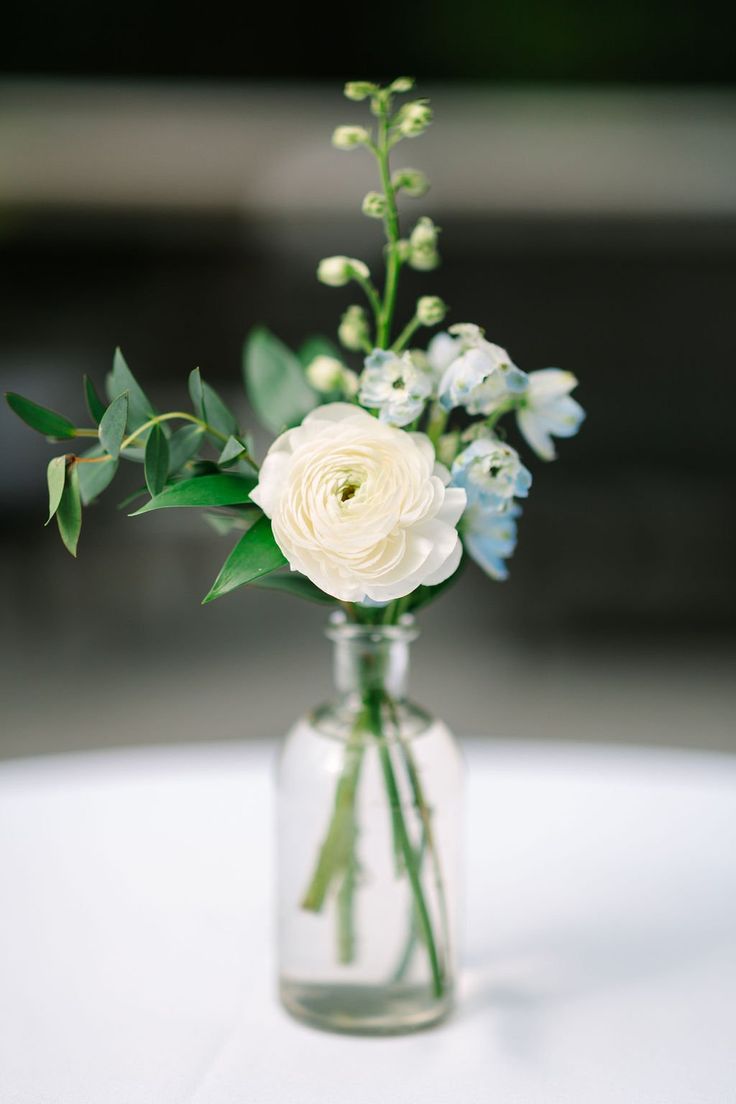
(135, 937)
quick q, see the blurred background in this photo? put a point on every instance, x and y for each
(167, 182)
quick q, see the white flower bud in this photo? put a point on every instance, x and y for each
(424, 234)
(424, 260)
(350, 383)
(414, 118)
(350, 137)
(401, 84)
(325, 373)
(430, 310)
(374, 205)
(411, 181)
(403, 250)
(353, 330)
(359, 90)
(338, 271)
(448, 447)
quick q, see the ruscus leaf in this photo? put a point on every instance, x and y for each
(222, 489)
(69, 513)
(255, 555)
(40, 418)
(112, 425)
(95, 404)
(121, 379)
(157, 461)
(183, 445)
(94, 478)
(55, 478)
(274, 380)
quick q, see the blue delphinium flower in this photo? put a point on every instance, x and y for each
(490, 537)
(548, 409)
(491, 474)
(482, 376)
(395, 385)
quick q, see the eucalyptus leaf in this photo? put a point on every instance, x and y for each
(222, 489)
(224, 524)
(233, 451)
(274, 380)
(256, 554)
(317, 346)
(183, 445)
(94, 478)
(157, 460)
(95, 405)
(120, 380)
(55, 478)
(69, 512)
(40, 418)
(298, 585)
(139, 493)
(113, 423)
(196, 392)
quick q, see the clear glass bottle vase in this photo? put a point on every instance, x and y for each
(369, 834)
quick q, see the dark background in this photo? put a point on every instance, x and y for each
(134, 210)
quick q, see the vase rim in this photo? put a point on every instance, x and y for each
(339, 628)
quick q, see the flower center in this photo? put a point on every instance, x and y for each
(347, 491)
(398, 384)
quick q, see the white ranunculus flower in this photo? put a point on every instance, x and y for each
(360, 507)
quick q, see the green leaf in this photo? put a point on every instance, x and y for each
(224, 524)
(139, 493)
(299, 585)
(183, 445)
(211, 409)
(95, 404)
(222, 489)
(40, 418)
(120, 380)
(196, 392)
(112, 426)
(317, 346)
(69, 513)
(157, 460)
(55, 478)
(256, 554)
(274, 379)
(94, 478)
(232, 452)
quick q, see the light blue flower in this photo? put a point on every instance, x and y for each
(394, 385)
(491, 474)
(490, 537)
(482, 376)
(549, 410)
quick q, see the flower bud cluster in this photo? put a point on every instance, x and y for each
(423, 254)
(338, 271)
(350, 137)
(329, 375)
(353, 331)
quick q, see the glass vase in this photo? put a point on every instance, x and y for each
(369, 833)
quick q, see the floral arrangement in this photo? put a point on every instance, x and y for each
(383, 476)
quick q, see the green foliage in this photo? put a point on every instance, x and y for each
(233, 451)
(55, 478)
(211, 409)
(95, 405)
(156, 467)
(222, 489)
(274, 380)
(69, 511)
(40, 418)
(183, 445)
(256, 554)
(120, 380)
(113, 423)
(94, 478)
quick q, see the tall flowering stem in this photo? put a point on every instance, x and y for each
(391, 224)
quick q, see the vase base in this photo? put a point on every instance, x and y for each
(364, 1009)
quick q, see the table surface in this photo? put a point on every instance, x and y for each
(136, 955)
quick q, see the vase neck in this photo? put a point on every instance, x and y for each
(371, 657)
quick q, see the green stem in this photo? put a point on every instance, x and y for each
(374, 698)
(437, 422)
(409, 329)
(391, 224)
(374, 300)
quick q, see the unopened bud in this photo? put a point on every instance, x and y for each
(374, 205)
(350, 137)
(414, 118)
(448, 447)
(353, 330)
(424, 234)
(338, 271)
(401, 84)
(350, 383)
(359, 90)
(411, 181)
(403, 250)
(325, 373)
(430, 310)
